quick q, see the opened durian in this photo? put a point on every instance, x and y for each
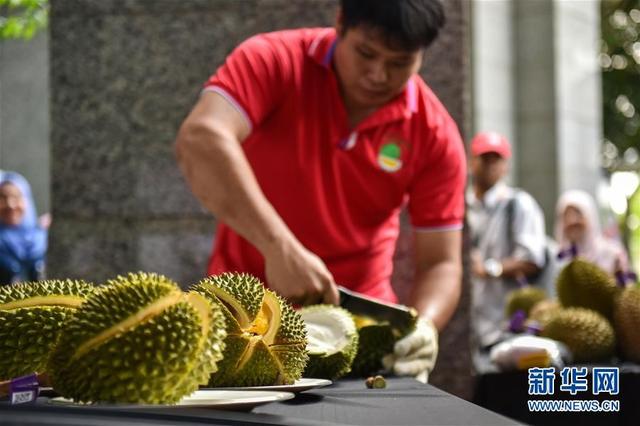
(588, 334)
(583, 284)
(266, 339)
(138, 339)
(375, 340)
(333, 341)
(31, 317)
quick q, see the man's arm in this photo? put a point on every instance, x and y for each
(435, 295)
(511, 267)
(437, 287)
(209, 152)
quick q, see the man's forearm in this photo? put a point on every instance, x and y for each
(220, 176)
(514, 268)
(436, 292)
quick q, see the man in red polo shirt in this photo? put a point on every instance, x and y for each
(306, 144)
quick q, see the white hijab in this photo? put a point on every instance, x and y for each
(595, 247)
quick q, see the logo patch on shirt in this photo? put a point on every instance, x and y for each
(389, 157)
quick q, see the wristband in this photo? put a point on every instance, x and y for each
(493, 268)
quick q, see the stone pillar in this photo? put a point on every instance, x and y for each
(536, 79)
(493, 69)
(536, 109)
(124, 75)
(24, 112)
(579, 94)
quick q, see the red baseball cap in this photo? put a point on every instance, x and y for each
(485, 142)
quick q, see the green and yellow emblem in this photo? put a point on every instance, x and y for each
(389, 157)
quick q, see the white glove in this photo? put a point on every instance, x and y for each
(416, 353)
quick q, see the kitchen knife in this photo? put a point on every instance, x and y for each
(399, 316)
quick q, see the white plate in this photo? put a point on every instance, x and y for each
(204, 398)
(299, 386)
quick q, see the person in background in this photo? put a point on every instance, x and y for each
(306, 144)
(23, 240)
(507, 233)
(578, 223)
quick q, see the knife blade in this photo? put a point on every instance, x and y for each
(398, 316)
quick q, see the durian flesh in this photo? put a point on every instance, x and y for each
(31, 318)
(333, 341)
(138, 339)
(266, 339)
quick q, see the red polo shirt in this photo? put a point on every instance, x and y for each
(339, 190)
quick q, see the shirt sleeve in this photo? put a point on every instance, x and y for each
(528, 230)
(253, 77)
(436, 195)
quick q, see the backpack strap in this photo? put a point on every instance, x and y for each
(509, 215)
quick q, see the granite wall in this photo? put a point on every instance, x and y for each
(124, 74)
(446, 68)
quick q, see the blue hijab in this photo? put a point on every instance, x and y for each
(23, 246)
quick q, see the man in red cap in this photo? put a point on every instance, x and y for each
(507, 232)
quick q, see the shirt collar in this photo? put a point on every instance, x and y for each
(321, 48)
(492, 197)
(401, 107)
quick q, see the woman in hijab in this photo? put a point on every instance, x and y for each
(23, 243)
(577, 224)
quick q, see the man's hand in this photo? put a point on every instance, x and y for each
(300, 276)
(415, 354)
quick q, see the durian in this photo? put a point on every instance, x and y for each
(588, 334)
(138, 339)
(375, 340)
(31, 317)
(584, 285)
(542, 311)
(523, 299)
(626, 320)
(333, 341)
(266, 339)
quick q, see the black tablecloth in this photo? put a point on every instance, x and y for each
(403, 402)
(507, 393)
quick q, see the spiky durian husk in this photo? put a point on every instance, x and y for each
(161, 355)
(332, 365)
(280, 361)
(542, 311)
(28, 333)
(588, 334)
(626, 320)
(584, 285)
(523, 299)
(374, 342)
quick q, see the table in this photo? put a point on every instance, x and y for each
(404, 402)
(507, 393)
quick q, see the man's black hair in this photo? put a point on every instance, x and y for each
(409, 24)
